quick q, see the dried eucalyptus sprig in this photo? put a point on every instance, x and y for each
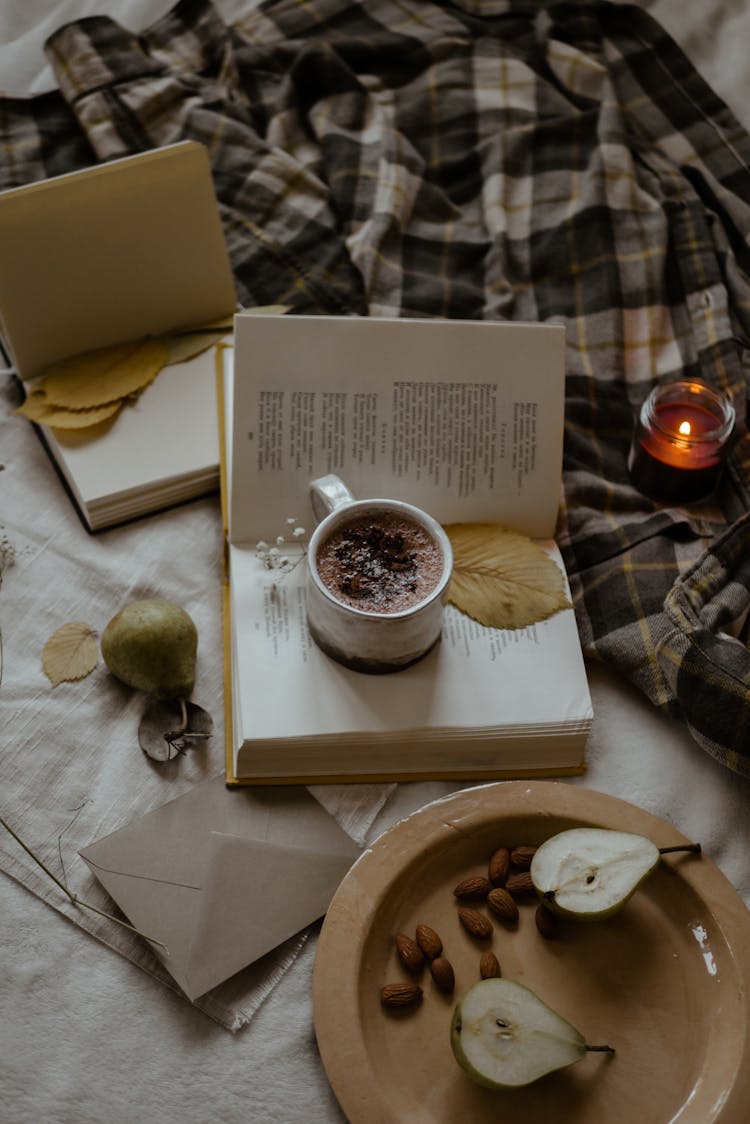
(74, 897)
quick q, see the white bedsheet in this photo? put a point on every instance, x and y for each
(89, 1037)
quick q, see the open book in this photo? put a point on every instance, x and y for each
(463, 419)
(109, 255)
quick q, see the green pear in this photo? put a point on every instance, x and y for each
(504, 1036)
(588, 873)
(151, 645)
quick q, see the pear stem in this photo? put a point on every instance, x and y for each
(693, 848)
(599, 1049)
(172, 735)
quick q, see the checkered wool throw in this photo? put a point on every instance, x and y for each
(492, 161)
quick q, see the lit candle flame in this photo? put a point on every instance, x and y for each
(685, 428)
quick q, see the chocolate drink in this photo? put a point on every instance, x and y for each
(380, 563)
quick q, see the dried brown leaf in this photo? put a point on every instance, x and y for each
(501, 578)
(70, 653)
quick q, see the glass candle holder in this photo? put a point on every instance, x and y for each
(680, 441)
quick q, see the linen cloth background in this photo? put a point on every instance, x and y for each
(71, 764)
(92, 1039)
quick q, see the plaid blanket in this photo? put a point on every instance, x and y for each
(559, 163)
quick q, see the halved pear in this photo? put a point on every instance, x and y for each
(588, 873)
(504, 1036)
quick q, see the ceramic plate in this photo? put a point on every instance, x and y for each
(666, 981)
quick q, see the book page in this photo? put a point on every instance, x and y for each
(475, 677)
(462, 418)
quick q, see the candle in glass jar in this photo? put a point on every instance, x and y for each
(680, 441)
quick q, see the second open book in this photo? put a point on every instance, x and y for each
(109, 255)
(462, 418)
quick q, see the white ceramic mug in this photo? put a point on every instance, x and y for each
(367, 639)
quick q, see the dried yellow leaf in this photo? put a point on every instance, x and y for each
(224, 322)
(187, 345)
(60, 418)
(501, 578)
(38, 408)
(108, 374)
(35, 406)
(268, 310)
(70, 653)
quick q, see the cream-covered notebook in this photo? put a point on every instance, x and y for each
(115, 253)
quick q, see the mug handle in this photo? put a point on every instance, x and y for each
(328, 493)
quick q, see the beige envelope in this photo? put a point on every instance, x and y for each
(223, 876)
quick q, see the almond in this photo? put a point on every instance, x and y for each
(429, 941)
(520, 884)
(475, 923)
(489, 965)
(520, 857)
(503, 905)
(474, 887)
(547, 923)
(442, 973)
(400, 994)
(409, 952)
(497, 869)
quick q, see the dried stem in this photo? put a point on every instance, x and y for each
(693, 848)
(74, 897)
(59, 841)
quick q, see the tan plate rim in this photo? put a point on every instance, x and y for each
(336, 976)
